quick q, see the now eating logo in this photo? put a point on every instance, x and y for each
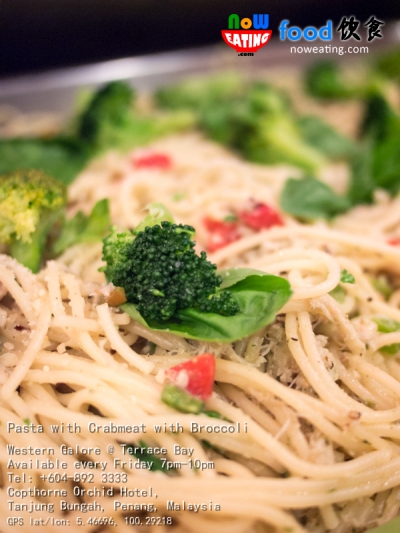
(246, 39)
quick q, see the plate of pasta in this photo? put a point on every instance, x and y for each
(200, 308)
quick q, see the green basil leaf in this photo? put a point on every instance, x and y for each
(82, 228)
(231, 276)
(390, 527)
(310, 199)
(260, 296)
(346, 277)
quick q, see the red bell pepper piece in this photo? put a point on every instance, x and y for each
(221, 233)
(394, 241)
(152, 160)
(261, 216)
(196, 376)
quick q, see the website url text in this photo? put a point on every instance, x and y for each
(328, 49)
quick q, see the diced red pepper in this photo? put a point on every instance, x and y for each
(196, 376)
(152, 160)
(221, 233)
(261, 216)
(394, 241)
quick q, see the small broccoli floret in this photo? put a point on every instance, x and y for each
(323, 80)
(30, 204)
(161, 273)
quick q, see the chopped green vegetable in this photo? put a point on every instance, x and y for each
(179, 196)
(338, 293)
(181, 400)
(61, 158)
(215, 414)
(82, 228)
(346, 277)
(231, 218)
(381, 285)
(31, 203)
(310, 199)
(27, 421)
(156, 464)
(388, 325)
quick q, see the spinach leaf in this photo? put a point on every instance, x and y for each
(260, 296)
(310, 199)
(386, 164)
(320, 135)
(82, 228)
(390, 527)
(61, 157)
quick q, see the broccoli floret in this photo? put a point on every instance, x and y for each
(107, 110)
(380, 120)
(388, 64)
(110, 120)
(263, 128)
(323, 80)
(161, 273)
(30, 204)
(201, 93)
(326, 80)
(253, 118)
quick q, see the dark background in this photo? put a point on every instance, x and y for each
(39, 35)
